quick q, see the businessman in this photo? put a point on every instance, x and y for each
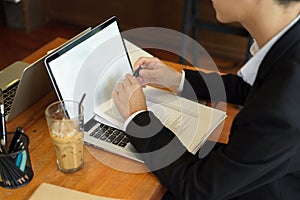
(262, 158)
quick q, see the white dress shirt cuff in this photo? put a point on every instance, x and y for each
(180, 87)
(129, 119)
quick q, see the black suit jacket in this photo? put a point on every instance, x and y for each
(262, 158)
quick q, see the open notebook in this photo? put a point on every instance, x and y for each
(191, 122)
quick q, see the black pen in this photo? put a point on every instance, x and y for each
(13, 147)
(2, 123)
(137, 71)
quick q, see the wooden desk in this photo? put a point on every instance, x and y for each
(95, 177)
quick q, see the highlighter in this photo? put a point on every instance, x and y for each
(24, 160)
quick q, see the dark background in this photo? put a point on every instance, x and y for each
(40, 21)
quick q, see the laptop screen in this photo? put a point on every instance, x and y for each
(92, 64)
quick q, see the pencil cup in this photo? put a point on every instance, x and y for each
(15, 166)
(65, 124)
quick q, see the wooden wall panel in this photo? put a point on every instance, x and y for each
(144, 13)
(131, 13)
(2, 13)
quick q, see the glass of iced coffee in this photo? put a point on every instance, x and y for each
(65, 124)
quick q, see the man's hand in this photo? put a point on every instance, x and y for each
(129, 97)
(156, 73)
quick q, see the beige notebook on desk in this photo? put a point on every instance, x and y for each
(190, 121)
(47, 191)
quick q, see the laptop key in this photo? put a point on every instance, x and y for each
(122, 144)
(118, 139)
(126, 139)
(105, 127)
(90, 124)
(109, 134)
(104, 136)
(99, 133)
(8, 97)
(110, 138)
(116, 132)
(92, 133)
(108, 131)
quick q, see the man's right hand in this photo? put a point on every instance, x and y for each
(156, 73)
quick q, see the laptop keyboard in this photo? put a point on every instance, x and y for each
(8, 97)
(110, 135)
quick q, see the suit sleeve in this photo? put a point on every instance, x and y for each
(228, 88)
(231, 170)
(264, 138)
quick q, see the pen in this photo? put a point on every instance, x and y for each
(15, 140)
(2, 124)
(137, 71)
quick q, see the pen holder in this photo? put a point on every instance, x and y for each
(15, 167)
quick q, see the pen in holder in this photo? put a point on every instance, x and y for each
(15, 165)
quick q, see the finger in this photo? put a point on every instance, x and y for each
(126, 83)
(133, 80)
(117, 101)
(146, 62)
(116, 97)
(140, 61)
(131, 85)
(120, 88)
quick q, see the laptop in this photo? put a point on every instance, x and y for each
(23, 84)
(91, 65)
